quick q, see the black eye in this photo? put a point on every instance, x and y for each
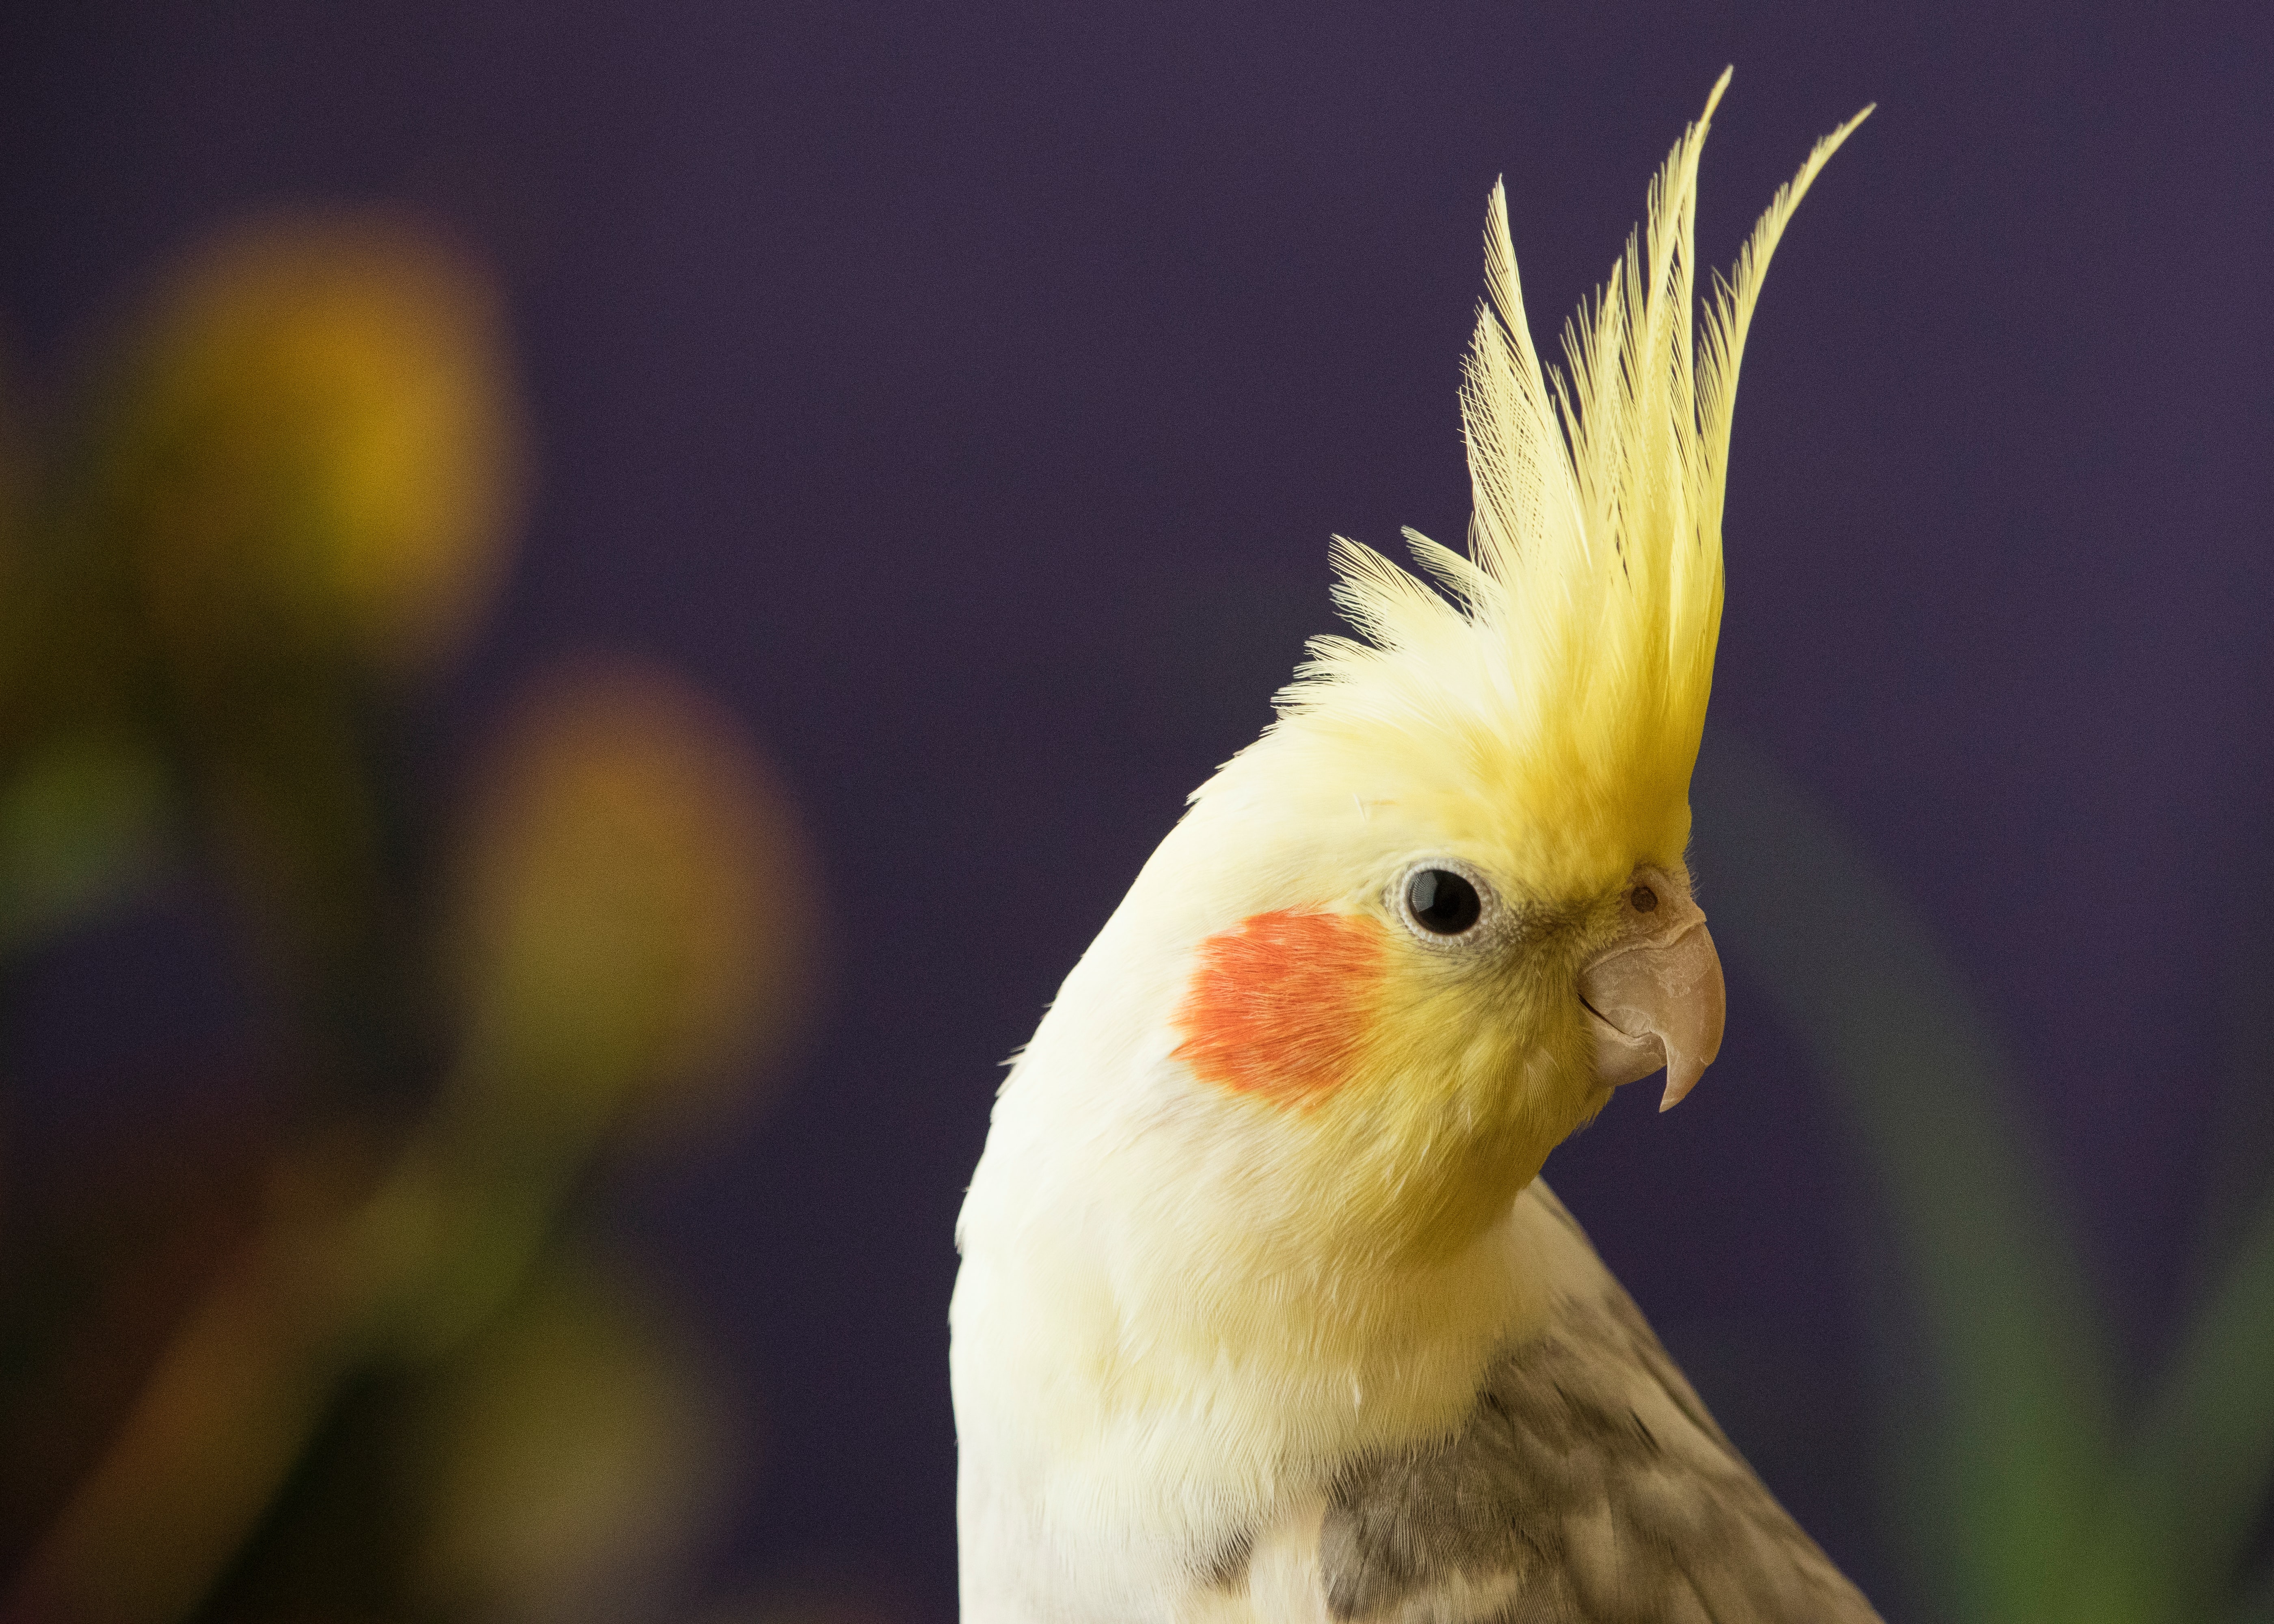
(1441, 902)
(1645, 899)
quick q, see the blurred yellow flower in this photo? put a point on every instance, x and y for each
(313, 447)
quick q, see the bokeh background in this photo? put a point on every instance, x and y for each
(865, 465)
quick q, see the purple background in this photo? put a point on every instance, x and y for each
(967, 396)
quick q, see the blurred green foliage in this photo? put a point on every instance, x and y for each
(2020, 1489)
(338, 1348)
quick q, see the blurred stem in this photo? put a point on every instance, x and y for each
(404, 1273)
(230, 1406)
(296, 794)
(2005, 1479)
(2180, 1517)
(274, 753)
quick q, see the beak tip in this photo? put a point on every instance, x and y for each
(1678, 1085)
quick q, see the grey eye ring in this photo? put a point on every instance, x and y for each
(1445, 903)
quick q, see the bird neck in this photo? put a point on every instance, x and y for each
(1141, 1282)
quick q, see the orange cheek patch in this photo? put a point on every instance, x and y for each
(1281, 1003)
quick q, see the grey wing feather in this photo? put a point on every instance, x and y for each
(1588, 1487)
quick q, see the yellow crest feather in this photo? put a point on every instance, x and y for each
(1572, 664)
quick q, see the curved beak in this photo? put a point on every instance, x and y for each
(1657, 1003)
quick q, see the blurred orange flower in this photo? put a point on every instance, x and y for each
(632, 906)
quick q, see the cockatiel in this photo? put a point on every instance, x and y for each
(1264, 1313)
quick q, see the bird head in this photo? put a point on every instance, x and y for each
(1411, 939)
